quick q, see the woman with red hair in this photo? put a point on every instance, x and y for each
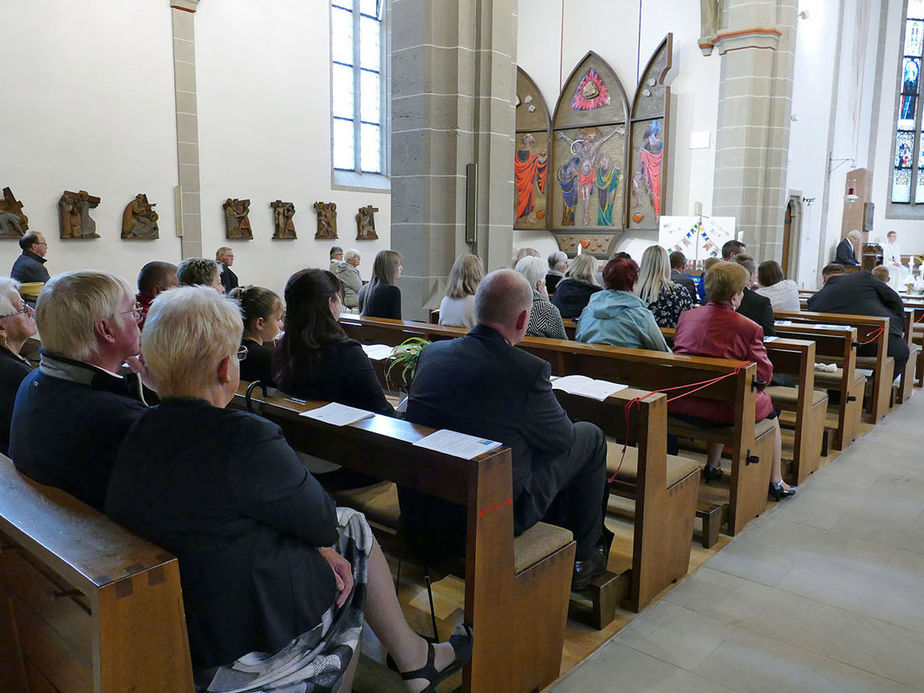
(617, 316)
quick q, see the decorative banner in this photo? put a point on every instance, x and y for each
(698, 238)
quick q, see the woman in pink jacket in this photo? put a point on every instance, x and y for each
(717, 330)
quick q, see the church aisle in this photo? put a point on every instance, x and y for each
(824, 593)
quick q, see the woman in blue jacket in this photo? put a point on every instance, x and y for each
(618, 317)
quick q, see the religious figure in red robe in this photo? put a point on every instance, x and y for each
(530, 172)
(649, 178)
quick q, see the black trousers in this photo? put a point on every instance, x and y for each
(570, 492)
(897, 348)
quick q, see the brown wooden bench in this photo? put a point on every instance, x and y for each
(87, 606)
(882, 365)
(508, 582)
(648, 370)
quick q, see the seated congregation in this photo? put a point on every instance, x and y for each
(277, 580)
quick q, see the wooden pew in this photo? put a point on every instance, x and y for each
(795, 357)
(508, 582)
(836, 346)
(86, 605)
(648, 370)
(882, 365)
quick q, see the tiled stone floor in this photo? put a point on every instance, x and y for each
(823, 593)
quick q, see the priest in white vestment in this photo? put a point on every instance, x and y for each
(899, 275)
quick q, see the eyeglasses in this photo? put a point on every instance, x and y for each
(24, 309)
(242, 353)
(136, 311)
(44, 243)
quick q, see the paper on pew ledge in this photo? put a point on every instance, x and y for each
(377, 352)
(338, 414)
(782, 323)
(770, 338)
(457, 444)
(582, 386)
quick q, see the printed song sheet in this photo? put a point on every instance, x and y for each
(338, 414)
(457, 444)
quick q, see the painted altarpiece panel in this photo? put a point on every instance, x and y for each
(531, 165)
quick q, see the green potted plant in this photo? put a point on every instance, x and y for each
(404, 357)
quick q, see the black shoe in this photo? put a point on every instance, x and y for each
(778, 493)
(592, 566)
(712, 473)
(462, 640)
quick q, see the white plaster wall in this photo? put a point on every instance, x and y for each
(910, 231)
(264, 134)
(88, 104)
(548, 50)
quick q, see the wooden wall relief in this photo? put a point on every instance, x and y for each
(237, 220)
(531, 160)
(74, 214)
(283, 226)
(13, 223)
(365, 224)
(139, 220)
(327, 220)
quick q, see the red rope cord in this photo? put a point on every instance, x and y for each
(873, 336)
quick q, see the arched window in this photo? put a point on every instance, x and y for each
(357, 94)
(908, 160)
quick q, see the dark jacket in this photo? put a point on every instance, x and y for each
(13, 370)
(551, 281)
(342, 374)
(259, 362)
(571, 296)
(860, 293)
(228, 278)
(480, 385)
(224, 493)
(686, 282)
(759, 309)
(29, 267)
(382, 301)
(68, 421)
(844, 254)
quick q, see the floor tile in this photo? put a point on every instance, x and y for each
(881, 648)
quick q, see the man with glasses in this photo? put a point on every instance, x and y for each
(30, 266)
(72, 412)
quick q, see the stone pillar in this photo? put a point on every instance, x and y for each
(189, 222)
(756, 40)
(453, 97)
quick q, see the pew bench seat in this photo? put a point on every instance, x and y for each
(709, 433)
(678, 468)
(783, 396)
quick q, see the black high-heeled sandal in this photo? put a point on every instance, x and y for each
(462, 642)
(778, 493)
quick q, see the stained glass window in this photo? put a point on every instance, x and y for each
(908, 153)
(356, 85)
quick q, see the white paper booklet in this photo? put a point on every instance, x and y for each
(377, 352)
(582, 386)
(457, 444)
(338, 414)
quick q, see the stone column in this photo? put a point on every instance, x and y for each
(453, 96)
(756, 40)
(187, 126)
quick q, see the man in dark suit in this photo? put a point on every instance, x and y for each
(846, 254)
(678, 260)
(732, 248)
(753, 305)
(30, 266)
(859, 293)
(225, 256)
(482, 385)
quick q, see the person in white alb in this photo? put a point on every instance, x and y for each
(892, 258)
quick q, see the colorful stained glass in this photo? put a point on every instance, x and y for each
(921, 152)
(915, 9)
(914, 37)
(906, 104)
(904, 149)
(901, 185)
(911, 67)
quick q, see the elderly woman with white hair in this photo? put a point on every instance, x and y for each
(558, 263)
(544, 319)
(580, 283)
(268, 564)
(16, 326)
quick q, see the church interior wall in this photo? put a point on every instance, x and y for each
(89, 104)
(550, 45)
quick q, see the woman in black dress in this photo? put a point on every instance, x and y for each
(380, 298)
(268, 564)
(16, 326)
(261, 310)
